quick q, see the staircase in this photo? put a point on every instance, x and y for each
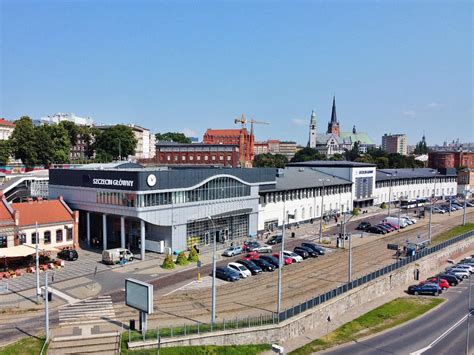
(104, 344)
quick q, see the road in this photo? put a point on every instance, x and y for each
(439, 332)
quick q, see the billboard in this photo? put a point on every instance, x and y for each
(139, 295)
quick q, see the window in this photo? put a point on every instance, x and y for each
(168, 157)
(69, 234)
(3, 241)
(59, 236)
(47, 237)
(34, 239)
(206, 157)
(22, 238)
(198, 157)
(183, 158)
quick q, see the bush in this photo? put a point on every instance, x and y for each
(182, 260)
(193, 255)
(383, 205)
(168, 262)
(356, 211)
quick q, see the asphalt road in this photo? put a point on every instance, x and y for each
(442, 331)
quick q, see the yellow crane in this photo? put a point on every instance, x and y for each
(244, 120)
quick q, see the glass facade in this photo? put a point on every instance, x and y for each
(226, 229)
(116, 198)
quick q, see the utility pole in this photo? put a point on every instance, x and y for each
(280, 261)
(450, 205)
(213, 312)
(46, 305)
(399, 212)
(468, 318)
(38, 291)
(464, 211)
(322, 210)
(431, 217)
(390, 193)
(350, 249)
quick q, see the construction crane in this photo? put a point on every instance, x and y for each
(243, 120)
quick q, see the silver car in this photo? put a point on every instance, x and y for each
(232, 251)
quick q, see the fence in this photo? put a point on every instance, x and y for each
(265, 319)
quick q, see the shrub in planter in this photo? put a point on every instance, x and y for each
(383, 205)
(356, 211)
(193, 255)
(182, 260)
(168, 262)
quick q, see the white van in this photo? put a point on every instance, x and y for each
(394, 221)
(115, 256)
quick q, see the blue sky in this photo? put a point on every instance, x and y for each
(394, 66)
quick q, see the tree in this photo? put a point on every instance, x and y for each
(421, 148)
(115, 142)
(172, 137)
(72, 131)
(5, 152)
(268, 160)
(353, 153)
(382, 163)
(52, 144)
(307, 154)
(23, 141)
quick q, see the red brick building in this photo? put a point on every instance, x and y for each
(450, 160)
(239, 137)
(170, 153)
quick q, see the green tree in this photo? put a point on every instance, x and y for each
(5, 152)
(52, 144)
(307, 154)
(270, 161)
(366, 158)
(353, 153)
(115, 142)
(23, 141)
(72, 131)
(382, 163)
(172, 137)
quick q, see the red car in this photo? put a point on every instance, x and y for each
(286, 260)
(444, 284)
(391, 225)
(251, 255)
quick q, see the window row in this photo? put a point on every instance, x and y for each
(58, 236)
(303, 193)
(414, 181)
(205, 157)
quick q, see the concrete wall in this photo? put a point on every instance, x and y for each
(317, 316)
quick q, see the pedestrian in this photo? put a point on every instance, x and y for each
(52, 276)
(95, 271)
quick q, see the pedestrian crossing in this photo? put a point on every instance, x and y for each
(95, 310)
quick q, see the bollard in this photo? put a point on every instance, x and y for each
(185, 330)
(224, 323)
(198, 327)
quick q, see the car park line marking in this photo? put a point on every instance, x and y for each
(179, 288)
(438, 339)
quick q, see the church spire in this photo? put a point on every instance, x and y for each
(333, 113)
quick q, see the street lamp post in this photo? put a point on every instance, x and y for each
(468, 317)
(213, 311)
(38, 291)
(390, 193)
(46, 305)
(399, 212)
(322, 210)
(464, 211)
(431, 207)
(280, 261)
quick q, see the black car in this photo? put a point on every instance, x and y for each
(452, 280)
(276, 239)
(312, 253)
(301, 252)
(314, 247)
(425, 289)
(68, 254)
(264, 265)
(271, 259)
(254, 269)
(227, 274)
(376, 230)
(363, 226)
(459, 277)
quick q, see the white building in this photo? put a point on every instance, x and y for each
(145, 143)
(71, 117)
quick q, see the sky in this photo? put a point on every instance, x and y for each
(394, 66)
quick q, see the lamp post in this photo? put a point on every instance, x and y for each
(38, 291)
(120, 148)
(322, 210)
(399, 212)
(468, 317)
(280, 260)
(213, 311)
(46, 305)
(431, 207)
(390, 193)
(464, 211)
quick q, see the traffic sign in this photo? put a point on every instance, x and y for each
(199, 263)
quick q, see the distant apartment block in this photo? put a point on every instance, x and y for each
(71, 117)
(395, 143)
(274, 146)
(260, 148)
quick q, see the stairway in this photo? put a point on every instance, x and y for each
(104, 344)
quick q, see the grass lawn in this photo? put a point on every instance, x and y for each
(386, 316)
(205, 350)
(437, 239)
(25, 346)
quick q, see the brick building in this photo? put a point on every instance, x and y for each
(170, 153)
(451, 160)
(260, 148)
(239, 137)
(395, 143)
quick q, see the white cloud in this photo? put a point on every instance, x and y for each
(409, 113)
(188, 132)
(298, 121)
(434, 104)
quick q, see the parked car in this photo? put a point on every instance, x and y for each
(68, 254)
(363, 226)
(232, 251)
(251, 255)
(377, 230)
(425, 289)
(443, 283)
(396, 221)
(249, 264)
(466, 267)
(395, 227)
(459, 271)
(318, 249)
(264, 265)
(452, 279)
(301, 252)
(240, 269)
(286, 260)
(115, 256)
(276, 239)
(438, 210)
(250, 246)
(459, 277)
(271, 259)
(409, 220)
(469, 204)
(294, 257)
(263, 249)
(467, 261)
(387, 227)
(224, 273)
(311, 252)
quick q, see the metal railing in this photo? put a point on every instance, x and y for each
(266, 319)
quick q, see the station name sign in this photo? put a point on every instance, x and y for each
(113, 182)
(363, 172)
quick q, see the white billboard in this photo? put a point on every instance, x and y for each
(139, 295)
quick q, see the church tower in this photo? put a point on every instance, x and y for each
(333, 126)
(312, 131)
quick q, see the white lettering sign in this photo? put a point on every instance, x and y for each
(113, 182)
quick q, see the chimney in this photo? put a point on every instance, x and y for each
(29, 200)
(16, 217)
(40, 199)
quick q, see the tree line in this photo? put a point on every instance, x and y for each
(51, 143)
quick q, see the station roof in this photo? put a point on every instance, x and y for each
(397, 174)
(333, 164)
